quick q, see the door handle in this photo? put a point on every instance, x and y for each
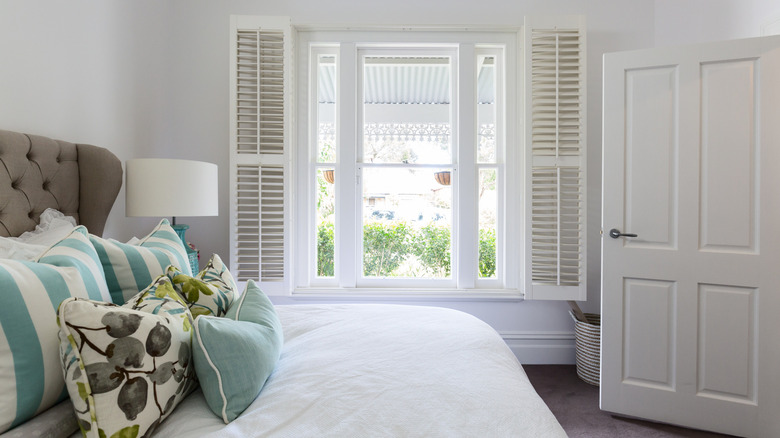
(615, 233)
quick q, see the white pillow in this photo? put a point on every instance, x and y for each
(12, 249)
(54, 226)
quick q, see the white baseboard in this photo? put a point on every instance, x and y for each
(541, 348)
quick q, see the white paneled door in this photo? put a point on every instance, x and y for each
(691, 304)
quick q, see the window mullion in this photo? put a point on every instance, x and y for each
(465, 227)
(347, 191)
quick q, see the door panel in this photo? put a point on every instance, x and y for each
(651, 155)
(727, 344)
(692, 166)
(729, 180)
(649, 326)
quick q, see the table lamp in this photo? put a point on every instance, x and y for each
(161, 187)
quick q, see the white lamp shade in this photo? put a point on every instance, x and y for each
(160, 187)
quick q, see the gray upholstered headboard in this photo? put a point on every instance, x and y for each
(37, 173)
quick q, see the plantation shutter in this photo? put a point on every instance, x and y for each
(260, 96)
(554, 51)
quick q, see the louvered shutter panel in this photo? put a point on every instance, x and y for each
(554, 51)
(261, 54)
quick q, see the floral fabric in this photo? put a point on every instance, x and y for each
(210, 292)
(127, 367)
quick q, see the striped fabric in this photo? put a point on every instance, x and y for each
(30, 370)
(130, 268)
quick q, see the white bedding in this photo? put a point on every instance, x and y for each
(382, 370)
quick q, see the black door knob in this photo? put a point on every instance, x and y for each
(615, 233)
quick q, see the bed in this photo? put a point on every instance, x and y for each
(342, 370)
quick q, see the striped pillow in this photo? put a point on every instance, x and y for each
(30, 371)
(130, 268)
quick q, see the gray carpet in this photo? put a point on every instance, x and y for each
(576, 406)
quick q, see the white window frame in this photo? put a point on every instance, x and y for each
(502, 150)
(348, 276)
(364, 51)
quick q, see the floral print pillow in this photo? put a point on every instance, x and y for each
(210, 292)
(127, 367)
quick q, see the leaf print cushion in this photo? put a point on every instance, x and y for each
(127, 367)
(210, 292)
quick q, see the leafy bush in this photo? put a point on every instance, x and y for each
(385, 247)
(325, 251)
(432, 246)
(387, 244)
(487, 252)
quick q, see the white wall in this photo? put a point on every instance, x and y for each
(697, 21)
(149, 78)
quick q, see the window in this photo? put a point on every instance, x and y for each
(423, 160)
(403, 158)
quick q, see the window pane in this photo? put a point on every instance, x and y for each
(488, 212)
(326, 108)
(486, 109)
(406, 109)
(326, 218)
(407, 222)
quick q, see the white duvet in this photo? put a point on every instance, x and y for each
(382, 371)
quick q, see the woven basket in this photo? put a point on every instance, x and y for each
(588, 339)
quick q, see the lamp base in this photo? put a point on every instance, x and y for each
(180, 230)
(192, 254)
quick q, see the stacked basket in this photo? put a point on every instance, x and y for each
(588, 339)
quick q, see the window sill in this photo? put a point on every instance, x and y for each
(379, 294)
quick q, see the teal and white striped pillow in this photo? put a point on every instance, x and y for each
(130, 268)
(30, 370)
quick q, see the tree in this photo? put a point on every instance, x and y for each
(385, 246)
(487, 252)
(325, 250)
(432, 247)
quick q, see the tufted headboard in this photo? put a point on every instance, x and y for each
(37, 173)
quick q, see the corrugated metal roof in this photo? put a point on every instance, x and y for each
(398, 82)
(407, 84)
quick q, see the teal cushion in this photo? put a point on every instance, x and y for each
(130, 268)
(223, 348)
(30, 373)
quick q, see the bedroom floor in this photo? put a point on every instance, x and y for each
(576, 406)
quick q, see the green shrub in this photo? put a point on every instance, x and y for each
(385, 246)
(325, 249)
(432, 246)
(487, 252)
